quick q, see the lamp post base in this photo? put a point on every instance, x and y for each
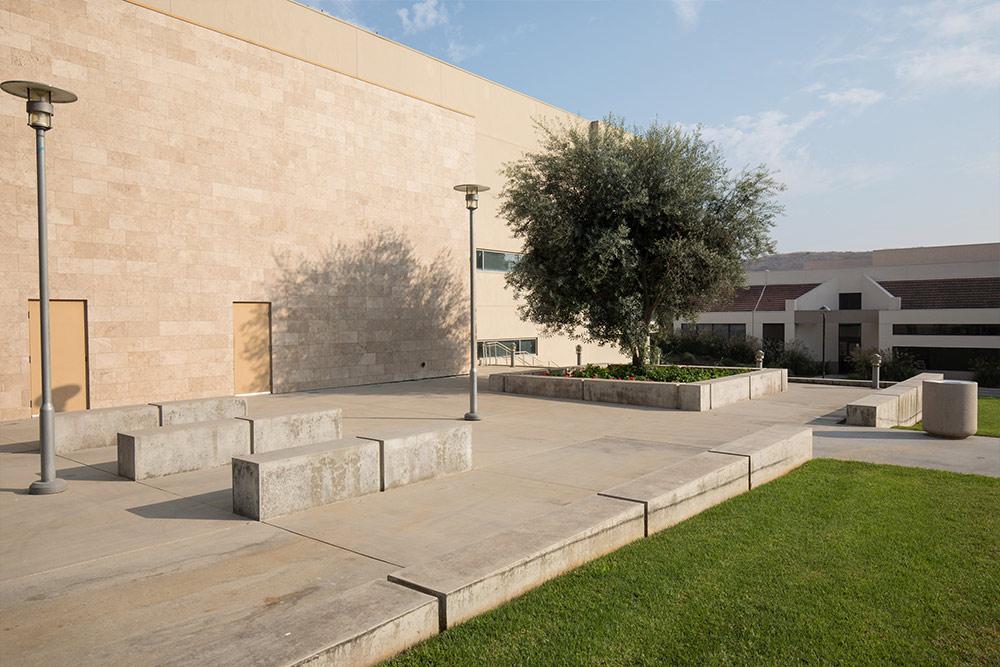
(472, 417)
(40, 488)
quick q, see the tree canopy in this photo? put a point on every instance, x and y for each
(624, 228)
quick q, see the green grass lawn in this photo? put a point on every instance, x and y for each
(835, 563)
(989, 418)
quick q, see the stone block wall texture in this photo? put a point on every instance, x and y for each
(198, 170)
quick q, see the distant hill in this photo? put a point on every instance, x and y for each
(794, 261)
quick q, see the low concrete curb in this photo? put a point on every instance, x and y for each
(478, 577)
(899, 405)
(88, 429)
(168, 450)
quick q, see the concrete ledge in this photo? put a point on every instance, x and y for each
(168, 450)
(408, 456)
(87, 429)
(631, 392)
(899, 405)
(694, 397)
(271, 432)
(290, 480)
(544, 385)
(679, 491)
(764, 383)
(496, 382)
(772, 451)
(201, 410)
(480, 576)
(728, 390)
(874, 410)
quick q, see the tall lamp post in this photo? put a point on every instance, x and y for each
(40, 100)
(823, 310)
(472, 191)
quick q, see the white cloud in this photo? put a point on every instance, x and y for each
(422, 16)
(457, 52)
(688, 12)
(973, 65)
(959, 45)
(814, 87)
(856, 98)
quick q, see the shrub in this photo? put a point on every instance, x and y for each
(715, 349)
(896, 365)
(652, 373)
(797, 359)
(987, 371)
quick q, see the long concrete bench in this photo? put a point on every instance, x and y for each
(201, 410)
(281, 431)
(283, 481)
(88, 429)
(771, 452)
(169, 450)
(899, 405)
(487, 573)
(407, 456)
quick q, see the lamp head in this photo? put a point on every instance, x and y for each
(824, 309)
(40, 98)
(472, 191)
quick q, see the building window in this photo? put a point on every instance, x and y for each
(850, 300)
(491, 260)
(773, 337)
(487, 348)
(950, 358)
(732, 331)
(946, 329)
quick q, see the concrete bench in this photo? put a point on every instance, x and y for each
(283, 481)
(281, 431)
(681, 490)
(88, 429)
(169, 450)
(408, 456)
(487, 573)
(771, 452)
(899, 405)
(201, 410)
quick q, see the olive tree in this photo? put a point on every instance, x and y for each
(624, 228)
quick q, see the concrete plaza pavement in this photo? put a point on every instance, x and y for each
(160, 571)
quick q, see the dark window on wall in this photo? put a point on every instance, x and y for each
(850, 300)
(492, 260)
(946, 329)
(774, 336)
(949, 358)
(529, 345)
(734, 331)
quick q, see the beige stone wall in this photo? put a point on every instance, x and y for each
(198, 169)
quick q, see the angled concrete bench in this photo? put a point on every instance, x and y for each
(771, 452)
(88, 429)
(487, 573)
(677, 492)
(899, 405)
(200, 410)
(408, 456)
(283, 481)
(168, 450)
(281, 431)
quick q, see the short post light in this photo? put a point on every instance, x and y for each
(472, 191)
(876, 369)
(40, 98)
(759, 358)
(579, 355)
(823, 310)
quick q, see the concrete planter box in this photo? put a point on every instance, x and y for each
(692, 396)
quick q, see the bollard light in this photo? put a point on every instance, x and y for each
(40, 98)
(472, 191)
(876, 369)
(759, 358)
(579, 355)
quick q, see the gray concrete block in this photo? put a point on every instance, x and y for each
(281, 431)
(766, 382)
(679, 491)
(169, 450)
(544, 385)
(876, 410)
(283, 481)
(496, 382)
(487, 573)
(772, 451)
(409, 455)
(201, 410)
(694, 396)
(87, 429)
(728, 390)
(628, 392)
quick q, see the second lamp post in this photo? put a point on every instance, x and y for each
(472, 191)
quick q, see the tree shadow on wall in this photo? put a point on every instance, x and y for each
(362, 313)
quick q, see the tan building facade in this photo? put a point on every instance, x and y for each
(250, 195)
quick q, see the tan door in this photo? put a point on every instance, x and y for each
(68, 326)
(252, 347)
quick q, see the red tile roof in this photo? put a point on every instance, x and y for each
(773, 299)
(949, 293)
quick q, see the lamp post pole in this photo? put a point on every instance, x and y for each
(823, 311)
(40, 98)
(472, 191)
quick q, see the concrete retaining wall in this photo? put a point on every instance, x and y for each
(271, 432)
(631, 392)
(772, 451)
(168, 450)
(406, 456)
(87, 429)
(201, 410)
(283, 481)
(899, 405)
(544, 385)
(481, 576)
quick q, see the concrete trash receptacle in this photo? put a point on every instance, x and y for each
(950, 408)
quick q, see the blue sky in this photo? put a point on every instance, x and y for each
(883, 119)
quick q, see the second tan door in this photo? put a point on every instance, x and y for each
(251, 347)
(68, 341)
